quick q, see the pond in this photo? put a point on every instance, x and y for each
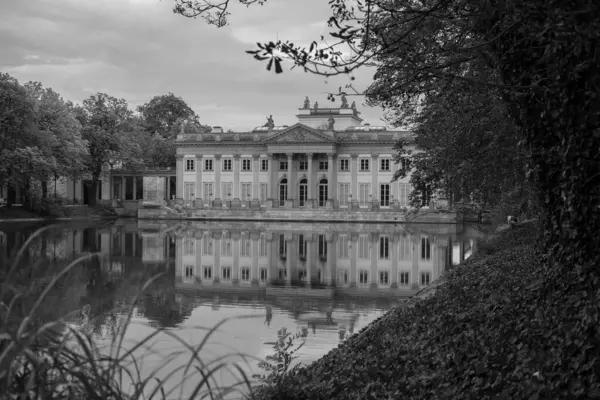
(323, 282)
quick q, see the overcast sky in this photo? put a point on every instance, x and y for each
(136, 49)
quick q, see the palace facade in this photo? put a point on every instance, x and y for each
(329, 159)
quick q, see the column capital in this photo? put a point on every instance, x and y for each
(354, 156)
(236, 156)
(199, 156)
(310, 155)
(218, 156)
(256, 156)
(374, 155)
(289, 155)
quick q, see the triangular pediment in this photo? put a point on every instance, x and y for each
(300, 133)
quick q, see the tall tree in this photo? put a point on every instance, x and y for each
(108, 128)
(161, 113)
(60, 135)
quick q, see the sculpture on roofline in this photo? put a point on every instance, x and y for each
(270, 123)
(316, 105)
(353, 106)
(344, 102)
(306, 103)
(331, 121)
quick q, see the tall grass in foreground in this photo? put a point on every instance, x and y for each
(56, 360)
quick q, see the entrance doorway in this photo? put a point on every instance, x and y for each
(322, 192)
(283, 191)
(303, 191)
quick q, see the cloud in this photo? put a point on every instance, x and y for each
(136, 49)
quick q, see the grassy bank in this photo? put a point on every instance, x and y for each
(494, 330)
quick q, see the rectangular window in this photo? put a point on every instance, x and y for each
(404, 250)
(425, 278)
(343, 247)
(262, 246)
(404, 276)
(364, 164)
(363, 276)
(364, 193)
(208, 192)
(226, 273)
(246, 191)
(189, 191)
(189, 271)
(384, 277)
(302, 247)
(282, 273)
(227, 190)
(384, 164)
(264, 275)
(322, 247)
(363, 247)
(344, 194)
(189, 164)
(263, 192)
(425, 249)
(323, 165)
(226, 246)
(207, 272)
(208, 164)
(283, 165)
(403, 193)
(384, 195)
(344, 164)
(245, 246)
(384, 248)
(344, 277)
(303, 165)
(227, 164)
(245, 273)
(264, 164)
(207, 245)
(246, 164)
(189, 246)
(405, 164)
(282, 246)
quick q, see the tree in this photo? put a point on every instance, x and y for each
(162, 112)
(59, 133)
(108, 128)
(543, 61)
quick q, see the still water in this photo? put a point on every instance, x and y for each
(321, 281)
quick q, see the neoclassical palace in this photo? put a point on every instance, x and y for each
(329, 158)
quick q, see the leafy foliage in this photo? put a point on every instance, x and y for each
(488, 332)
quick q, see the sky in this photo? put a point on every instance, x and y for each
(137, 49)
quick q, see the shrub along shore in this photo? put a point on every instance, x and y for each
(492, 330)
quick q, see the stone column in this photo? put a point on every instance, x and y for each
(394, 270)
(134, 179)
(310, 181)
(353, 259)
(255, 182)
(331, 257)
(354, 179)
(414, 239)
(235, 273)
(216, 239)
(198, 193)
(236, 177)
(330, 179)
(394, 185)
(255, 236)
(288, 259)
(179, 178)
(309, 258)
(289, 177)
(217, 170)
(272, 177)
(374, 169)
(374, 255)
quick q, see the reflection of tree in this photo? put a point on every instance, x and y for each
(268, 316)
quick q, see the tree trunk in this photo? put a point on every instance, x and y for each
(44, 189)
(92, 194)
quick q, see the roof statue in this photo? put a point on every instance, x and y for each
(306, 103)
(331, 121)
(316, 105)
(270, 124)
(353, 106)
(344, 102)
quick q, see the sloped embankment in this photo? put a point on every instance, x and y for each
(487, 333)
